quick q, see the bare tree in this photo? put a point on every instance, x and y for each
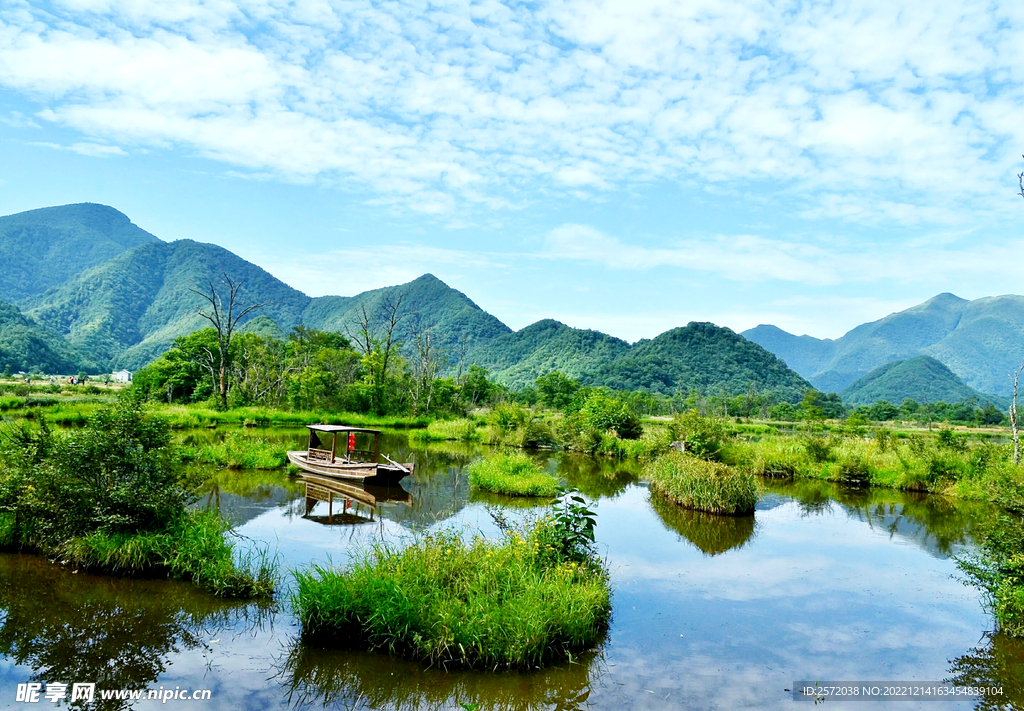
(1020, 182)
(224, 312)
(1013, 415)
(375, 335)
(429, 360)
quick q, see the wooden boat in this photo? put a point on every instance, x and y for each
(321, 461)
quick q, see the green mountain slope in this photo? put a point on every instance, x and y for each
(44, 248)
(24, 345)
(804, 354)
(518, 359)
(701, 356)
(128, 310)
(426, 303)
(981, 341)
(987, 343)
(921, 378)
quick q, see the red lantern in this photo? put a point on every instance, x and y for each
(351, 441)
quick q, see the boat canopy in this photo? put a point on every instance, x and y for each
(334, 429)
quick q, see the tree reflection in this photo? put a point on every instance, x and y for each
(597, 476)
(999, 663)
(117, 633)
(710, 534)
(316, 677)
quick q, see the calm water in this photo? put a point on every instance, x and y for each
(709, 613)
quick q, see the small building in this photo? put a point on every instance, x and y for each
(121, 376)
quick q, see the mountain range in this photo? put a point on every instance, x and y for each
(981, 341)
(87, 289)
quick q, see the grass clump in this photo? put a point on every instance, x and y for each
(701, 485)
(460, 430)
(237, 451)
(110, 495)
(519, 602)
(514, 474)
(193, 548)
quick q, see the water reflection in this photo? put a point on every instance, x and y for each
(314, 677)
(596, 476)
(940, 525)
(999, 662)
(710, 534)
(118, 633)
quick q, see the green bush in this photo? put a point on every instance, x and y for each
(484, 604)
(703, 435)
(998, 569)
(514, 474)
(109, 495)
(703, 485)
(819, 449)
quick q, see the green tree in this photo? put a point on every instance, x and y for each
(556, 389)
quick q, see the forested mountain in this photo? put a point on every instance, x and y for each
(518, 359)
(101, 293)
(704, 357)
(456, 324)
(41, 249)
(921, 378)
(981, 341)
(24, 345)
(130, 309)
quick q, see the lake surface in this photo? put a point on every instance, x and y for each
(822, 583)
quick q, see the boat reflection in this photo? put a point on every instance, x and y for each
(347, 503)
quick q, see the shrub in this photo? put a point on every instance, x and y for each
(702, 485)
(109, 496)
(703, 435)
(484, 604)
(514, 474)
(853, 471)
(999, 570)
(818, 449)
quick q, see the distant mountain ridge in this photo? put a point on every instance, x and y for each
(981, 341)
(921, 378)
(126, 310)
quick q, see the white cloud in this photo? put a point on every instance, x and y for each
(93, 150)
(16, 119)
(947, 259)
(877, 112)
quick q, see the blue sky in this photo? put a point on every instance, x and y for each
(627, 165)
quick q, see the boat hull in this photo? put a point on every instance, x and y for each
(368, 472)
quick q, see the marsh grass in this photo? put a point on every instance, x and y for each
(461, 430)
(187, 416)
(514, 474)
(484, 604)
(237, 451)
(194, 548)
(698, 484)
(963, 469)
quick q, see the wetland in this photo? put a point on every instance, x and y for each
(823, 582)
